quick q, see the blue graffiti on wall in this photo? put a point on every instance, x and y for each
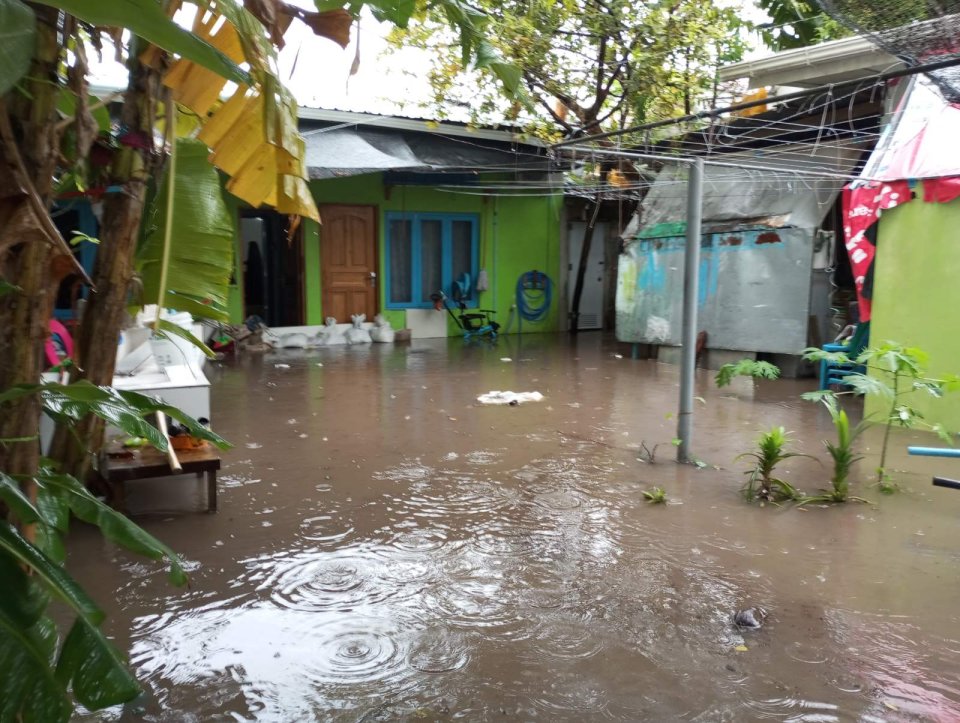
(658, 255)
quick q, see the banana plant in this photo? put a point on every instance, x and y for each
(186, 259)
(44, 673)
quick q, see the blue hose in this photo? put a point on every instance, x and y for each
(534, 296)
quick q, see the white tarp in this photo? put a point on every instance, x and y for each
(920, 141)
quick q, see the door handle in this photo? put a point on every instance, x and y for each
(373, 278)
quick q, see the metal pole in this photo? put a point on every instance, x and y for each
(688, 335)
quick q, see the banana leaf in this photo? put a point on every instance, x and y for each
(35, 679)
(201, 253)
(147, 19)
(68, 403)
(18, 26)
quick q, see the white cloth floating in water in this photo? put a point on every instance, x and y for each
(509, 397)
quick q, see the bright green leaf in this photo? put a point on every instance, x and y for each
(114, 526)
(95, 669)
(17, 502)
(815, 354)
(18, 27)
(166, 328)
(54, 578)
(863, 384)
(201, 257)
(28, 689)
(817, 395)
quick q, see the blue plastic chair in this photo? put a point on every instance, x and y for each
(832, 373)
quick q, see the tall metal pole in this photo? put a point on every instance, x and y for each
(688, 334)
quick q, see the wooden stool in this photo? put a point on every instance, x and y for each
(117, 468)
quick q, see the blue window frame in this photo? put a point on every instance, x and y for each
(427, 252)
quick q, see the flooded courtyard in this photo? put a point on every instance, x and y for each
(389, 549)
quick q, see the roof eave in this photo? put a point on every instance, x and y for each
(833, 61)
(420, 126)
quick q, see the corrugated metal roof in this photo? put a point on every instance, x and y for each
(339, 152)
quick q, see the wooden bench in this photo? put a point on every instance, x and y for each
(118, 466)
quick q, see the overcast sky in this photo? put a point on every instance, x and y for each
(321, 72)
(317, 71)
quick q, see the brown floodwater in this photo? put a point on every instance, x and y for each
(389, 549)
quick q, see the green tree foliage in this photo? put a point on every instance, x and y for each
(796, 24)
(585, 65)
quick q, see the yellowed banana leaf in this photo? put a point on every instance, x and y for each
(253, 136)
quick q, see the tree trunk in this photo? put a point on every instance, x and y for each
(582, 268)
(28, 156)
(103, 315)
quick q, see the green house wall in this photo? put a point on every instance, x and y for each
(917, 291)
(516, 235)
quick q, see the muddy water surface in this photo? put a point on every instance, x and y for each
(387, 549)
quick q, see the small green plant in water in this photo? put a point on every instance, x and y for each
(890, 371)
(746, 368)
(655, 496)
(761, 484)
(841, 452)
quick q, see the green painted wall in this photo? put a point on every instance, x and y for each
(235, 295)
(516, 235)
(311, 270)
(916, 292)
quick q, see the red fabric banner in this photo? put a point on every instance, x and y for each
(861, 209)
(941, 190)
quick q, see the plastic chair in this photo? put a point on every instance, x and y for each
(832, 372)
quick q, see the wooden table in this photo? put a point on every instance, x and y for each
(148, 462)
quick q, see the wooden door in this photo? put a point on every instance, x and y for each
(348, 259)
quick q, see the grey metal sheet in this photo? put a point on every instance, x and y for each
(733, 195)
(343, 152)
(754, 290)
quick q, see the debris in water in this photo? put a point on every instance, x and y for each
(741, 648)
(281, 366)
(618, 356)
(511, 398)
(253, 445)
(319, 364)
(303, 436)
(751, 618)
(506, 359)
